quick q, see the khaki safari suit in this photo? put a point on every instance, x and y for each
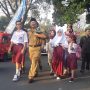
(34, 53)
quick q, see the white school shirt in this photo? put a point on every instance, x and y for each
(19, 37)
(74, 46)
(49, 46)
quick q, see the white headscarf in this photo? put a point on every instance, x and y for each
(59, 39)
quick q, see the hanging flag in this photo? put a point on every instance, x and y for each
(18, 16)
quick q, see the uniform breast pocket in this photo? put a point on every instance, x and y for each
(21, 38)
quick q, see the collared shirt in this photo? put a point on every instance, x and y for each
(33, 40)
(49, 46)
(19, 37)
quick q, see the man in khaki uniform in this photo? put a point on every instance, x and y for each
(35, 42)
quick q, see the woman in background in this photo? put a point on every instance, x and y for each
(49, 49)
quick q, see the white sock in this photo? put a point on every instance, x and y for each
(18, 72)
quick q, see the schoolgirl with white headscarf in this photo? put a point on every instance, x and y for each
(59, 39)
(59, 43)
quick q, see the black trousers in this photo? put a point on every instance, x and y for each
(85, 61)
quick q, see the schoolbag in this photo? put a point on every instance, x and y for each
(78, 52)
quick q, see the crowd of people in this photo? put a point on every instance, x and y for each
(62, 50)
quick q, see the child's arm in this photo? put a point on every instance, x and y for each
(47, 47)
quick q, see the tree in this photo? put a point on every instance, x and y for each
(3, 22)
(68, 11)
(9, 7)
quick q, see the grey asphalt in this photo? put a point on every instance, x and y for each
(43, 82)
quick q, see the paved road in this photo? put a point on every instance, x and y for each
(43, 81)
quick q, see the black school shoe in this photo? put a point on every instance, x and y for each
(82, 71)
(51, 73)
(71, 80)
(87, 68)
(30, 81)
(36, 75)
(23, 70)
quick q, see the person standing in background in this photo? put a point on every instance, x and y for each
(69, 30)
(49, 49)
(85, 50)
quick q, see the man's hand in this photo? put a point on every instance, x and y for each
(40, 35)
(36, 34)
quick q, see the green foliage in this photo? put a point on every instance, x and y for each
(3, 22)
(68, 13)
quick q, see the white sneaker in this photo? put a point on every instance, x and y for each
(15, 78)
(58, 78)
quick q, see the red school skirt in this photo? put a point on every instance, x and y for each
(57, 61)
(17, 56)
(72, 61)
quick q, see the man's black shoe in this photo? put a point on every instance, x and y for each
(30, 81)
(81, 71)
(71, 80)
(36, 75)
(87, 68)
